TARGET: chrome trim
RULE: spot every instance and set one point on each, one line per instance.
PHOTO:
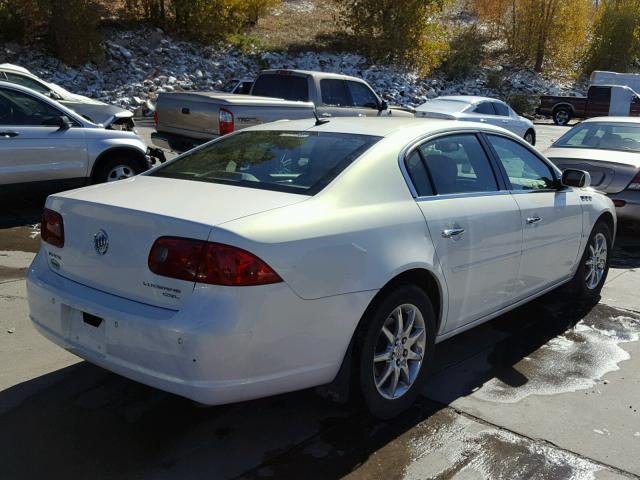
(534, 219)
(447, 196)
(452, 232)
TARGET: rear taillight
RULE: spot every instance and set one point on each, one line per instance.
(52, 228)
(635, 183)
(155, 118)
(208, 262)
(225, 122)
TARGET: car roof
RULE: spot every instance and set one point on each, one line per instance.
(612, 120)
(409, 127)
(470, 99)
(9, 67)
(311, 73)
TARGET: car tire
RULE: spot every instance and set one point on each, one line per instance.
(561, 116)
(117, 168)
(594, 264)
(400, 356)
(530, 137)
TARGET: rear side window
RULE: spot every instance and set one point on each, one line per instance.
(524, 169)
(295, 162)
(334, 93)
(484, 108)
(458, 164)
(600, 94)
(418, 174)
(289, 87)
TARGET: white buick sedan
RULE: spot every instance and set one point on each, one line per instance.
(303, 254)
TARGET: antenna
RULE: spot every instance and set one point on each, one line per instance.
(319, 121)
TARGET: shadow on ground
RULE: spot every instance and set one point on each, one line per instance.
(91, 423)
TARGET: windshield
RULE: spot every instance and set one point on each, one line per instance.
(296, 162)
(602, 136)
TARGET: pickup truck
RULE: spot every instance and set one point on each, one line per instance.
(183, 120)
(601, 100)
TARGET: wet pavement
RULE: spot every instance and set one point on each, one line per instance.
(548, 391)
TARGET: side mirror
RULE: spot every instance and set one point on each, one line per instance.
(383, 105)
(575, 178)
(62, 122)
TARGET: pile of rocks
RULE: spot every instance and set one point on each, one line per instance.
(141, 63)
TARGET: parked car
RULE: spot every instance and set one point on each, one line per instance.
(614, 100)
(478, 109)
(609, 149)
(109, 116)
(243, 87)
(184, 120)
(44, 141)
(296, 254)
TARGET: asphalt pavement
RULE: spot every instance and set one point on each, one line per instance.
(548, 391)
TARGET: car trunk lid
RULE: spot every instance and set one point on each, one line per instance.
(131, 215)
(610, 171)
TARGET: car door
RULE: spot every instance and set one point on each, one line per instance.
(336, 99)
(503, 117)
(598, 100)
(365, 102)
(474, 225)
(31, 151)
(483, 112)
(551, 216)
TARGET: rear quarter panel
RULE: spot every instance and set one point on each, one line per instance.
(355, 235)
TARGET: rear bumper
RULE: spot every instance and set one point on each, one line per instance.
(226, 345)
(175, 143)
(630, 211)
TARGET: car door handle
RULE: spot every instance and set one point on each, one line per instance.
(505, 121)
(325, 115)
(532, 220)
(9, 134)
(452, 232)
(483, 120)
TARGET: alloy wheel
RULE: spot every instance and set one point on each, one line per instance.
(399, 351)
(120, 172)
(596, 262)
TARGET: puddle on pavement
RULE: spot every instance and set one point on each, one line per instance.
(23, 239)
(445, 445)
(574, 360)
(462, 448)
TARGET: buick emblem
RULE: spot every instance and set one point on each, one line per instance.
(101, 242)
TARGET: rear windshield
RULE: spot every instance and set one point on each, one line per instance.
(602, 136)
(289, 87)
(295, 162)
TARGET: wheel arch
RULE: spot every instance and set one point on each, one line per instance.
(138, 156)
(607, 218)
(563, 105)
(339, 389)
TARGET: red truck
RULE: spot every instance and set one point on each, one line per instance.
(601, 101)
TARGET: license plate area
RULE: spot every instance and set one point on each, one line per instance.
(85, 329)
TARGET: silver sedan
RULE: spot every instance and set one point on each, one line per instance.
(479, 109)
(609, 149)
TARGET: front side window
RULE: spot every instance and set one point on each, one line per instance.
(335, 93)
(484, 108)
(602, 136)
(458, 164)
(17, 108)
(524, 169)
(501, 109)
(27, 82)
(362, 95)
(295, 162)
